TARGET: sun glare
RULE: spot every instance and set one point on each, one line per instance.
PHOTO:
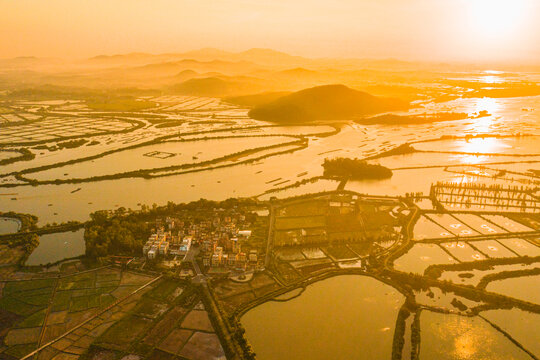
(496, 18)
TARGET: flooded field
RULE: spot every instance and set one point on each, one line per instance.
(450, 337)
(521, 247)
(203, 148)
(162, 155)
(479, 224)
(57, 246)
(473, 277)
(527, 145)
(506, 223)
(425, 228)
(522, 326)
(420, 256)
(462, 251)
(523, 288)
(346, 316)
(493, 249)
(453, 225)
(352, 140)
(9, 225)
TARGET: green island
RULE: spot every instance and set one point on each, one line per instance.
(355, 169)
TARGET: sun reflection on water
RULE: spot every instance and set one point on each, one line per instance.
(472, 159)
(483, 145)
(491, 79)
(491, 105)
(486, 110)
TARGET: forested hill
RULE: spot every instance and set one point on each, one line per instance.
(328, 102)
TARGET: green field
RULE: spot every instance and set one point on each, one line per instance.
(313, 207)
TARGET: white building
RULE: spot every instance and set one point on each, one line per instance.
(152, 253)
(164, 248)
(244, 233)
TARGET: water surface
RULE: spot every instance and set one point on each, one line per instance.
(455, 337)
(57, 246)
(345, 317)
(9, 225)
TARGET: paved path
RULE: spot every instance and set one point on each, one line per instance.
(51, 301)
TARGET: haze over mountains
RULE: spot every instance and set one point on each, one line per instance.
(251, 74)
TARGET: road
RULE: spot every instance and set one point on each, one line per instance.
(199, 277)
(270, 235)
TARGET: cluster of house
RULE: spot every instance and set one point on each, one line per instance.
(220, 258)
(218, 239)
(164, 243)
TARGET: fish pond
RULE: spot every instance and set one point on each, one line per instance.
(57, 246)
(344, 317)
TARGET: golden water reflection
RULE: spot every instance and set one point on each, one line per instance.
(483, 145)
(484, 124)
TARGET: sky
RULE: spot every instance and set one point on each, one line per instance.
(430, 30)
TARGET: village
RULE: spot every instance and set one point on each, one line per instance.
(219, 245)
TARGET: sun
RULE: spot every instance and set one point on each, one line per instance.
(496, 18)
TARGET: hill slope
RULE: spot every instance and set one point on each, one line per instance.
(328, 102)
(217, 87)
(256, 99)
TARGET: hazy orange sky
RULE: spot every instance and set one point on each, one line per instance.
(469, 30)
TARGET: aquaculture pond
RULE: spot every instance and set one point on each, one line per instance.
(493, 249)
(527, 145)
(507, 224)
(170, 153)
(345, 317)
(57, 246)
(521, 247)
(451, 337)
(420, 256)
(473, 277)
(452, 224)
(9, 225)
(463, 251)
(522, 326)
(479, 224)
(524, 288)
(427, 229)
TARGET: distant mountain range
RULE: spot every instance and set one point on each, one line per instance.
(219, 73)
(264, 57)
(329, 102)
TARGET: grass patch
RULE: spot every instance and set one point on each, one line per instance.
(94, 301)
(340, 252)
(309, 208)
(163, 291)
(106, 300)
(16, 306)
(38, 300)
(77, 284)
(300, 222)
(79, 303)
(20, 286)
(124, 331)
(150, 309)
(34, 320)
(108, 283)
(18, 351)
(61, 300)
